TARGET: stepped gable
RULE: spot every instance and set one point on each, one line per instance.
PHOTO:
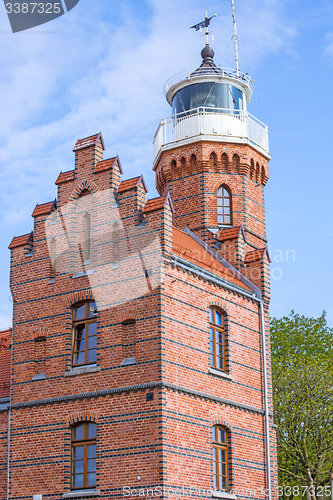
(158, 203)
(44, 208)
(131, 184)
(88, 141)
(108, 164)
(19, 241)
(65, 177)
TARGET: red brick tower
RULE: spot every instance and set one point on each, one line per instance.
(140, 343)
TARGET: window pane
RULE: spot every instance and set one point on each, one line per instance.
(92, 328)
(80, 337)
(79, 312)
(78, 467)
(226, 202)
(92, 434)
(212, 360)
(211, 316)
(92, 342)
(225, 193)
(78, 480)
(227, 219)
(92, 465)
(215, 481)
(220, 350)
(218, 318)
(92, 309)
(78, 433)
(92, 451)
(79, 358)
(78, 453)
(91, 479)
(227, 210)
(222, 436)
(220, 363)
(92, 356)
(211, 334)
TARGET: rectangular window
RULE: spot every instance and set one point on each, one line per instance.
(84, 334)
(217, 339)
(83, 462)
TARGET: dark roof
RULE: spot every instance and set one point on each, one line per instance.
(44, 208)
(207, 67)
(65, 177)
(89, 141)
(19, 241)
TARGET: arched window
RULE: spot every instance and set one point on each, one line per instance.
(235, 163)
(225, 162)
(252, 170)
(193, 162)
(83, 461)
(220, 458)
(84, 334)
(217, 338)
(263, 175)
(213, 160)
(257, 172)
(183, 165)
(174, 168)
(224, 209)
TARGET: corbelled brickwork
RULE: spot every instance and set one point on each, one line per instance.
(154, 269)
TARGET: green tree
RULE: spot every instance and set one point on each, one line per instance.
(302, 369)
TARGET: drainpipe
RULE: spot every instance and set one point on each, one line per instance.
(8, 452)
(264, 359)
(11, 355)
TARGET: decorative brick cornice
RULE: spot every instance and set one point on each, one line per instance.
(221, 420)
(76, 297)
(220, 304)
(82, 416)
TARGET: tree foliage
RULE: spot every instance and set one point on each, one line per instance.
(302, 369)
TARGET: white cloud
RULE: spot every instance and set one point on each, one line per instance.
(87, 74)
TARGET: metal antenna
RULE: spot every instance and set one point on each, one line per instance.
(235, 36)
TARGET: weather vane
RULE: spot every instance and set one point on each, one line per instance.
(205, 24)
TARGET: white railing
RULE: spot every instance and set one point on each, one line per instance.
(218, 124)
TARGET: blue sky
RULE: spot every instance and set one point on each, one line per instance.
(102, 67)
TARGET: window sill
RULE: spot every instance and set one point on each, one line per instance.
(84, 273)
(39, 376)
(223, 494)
(128, 362)
(81, 493)
(80, 370)
(219, 373)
